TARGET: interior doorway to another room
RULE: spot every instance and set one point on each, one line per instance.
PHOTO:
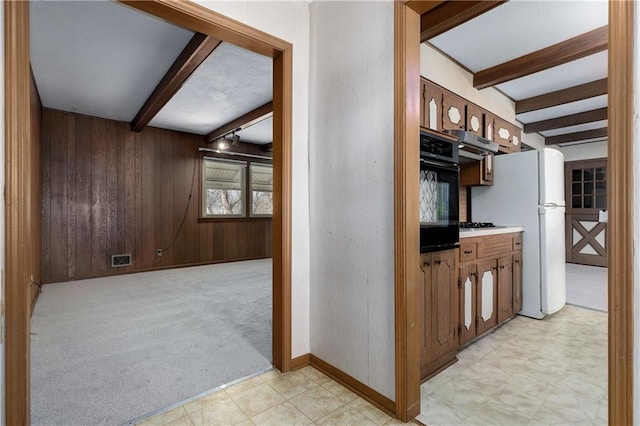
(188, 16)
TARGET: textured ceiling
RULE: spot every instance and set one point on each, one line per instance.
(519, 27)
(516, 28)
(260, 133)
(104, 59)
(99, 58)
(589, 68)
(566, 109)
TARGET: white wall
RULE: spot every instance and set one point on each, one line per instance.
(443, 71)
(584, 151)
(289, 21)
(351, 189)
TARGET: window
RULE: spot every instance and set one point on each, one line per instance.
(223, 188)
(589, 188)
(261, 189)
(235, 189)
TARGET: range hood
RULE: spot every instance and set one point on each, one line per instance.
(473, 146)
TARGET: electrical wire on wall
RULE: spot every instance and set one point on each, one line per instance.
(186, 209)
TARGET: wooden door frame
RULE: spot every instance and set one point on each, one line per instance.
(620, 206)
(17, 132)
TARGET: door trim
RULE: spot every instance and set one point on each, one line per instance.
(17, 131)
(620, 204)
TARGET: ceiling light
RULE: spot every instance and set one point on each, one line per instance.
(222, 144)
(235, 141)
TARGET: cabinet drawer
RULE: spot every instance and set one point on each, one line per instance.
(467, 251)
(494, 246)
(517, 243)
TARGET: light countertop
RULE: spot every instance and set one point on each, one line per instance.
(481, 232)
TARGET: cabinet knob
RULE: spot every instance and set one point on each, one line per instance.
(427, 263)
(517, 262)
(501, 266)
(438, 262)
(468, 251)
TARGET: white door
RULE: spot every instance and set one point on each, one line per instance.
(552, 255)
(551, 177)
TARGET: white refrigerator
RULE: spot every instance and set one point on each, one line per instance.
(528, 190)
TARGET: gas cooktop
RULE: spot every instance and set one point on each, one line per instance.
(474, 225)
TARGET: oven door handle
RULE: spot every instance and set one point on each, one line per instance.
(451, 167)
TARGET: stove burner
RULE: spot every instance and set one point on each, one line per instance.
(467, 225)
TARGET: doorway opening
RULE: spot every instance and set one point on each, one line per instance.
(18, 296)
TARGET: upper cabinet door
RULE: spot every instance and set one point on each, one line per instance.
(430, 105)
(475, 120)
(453, 112)
(507, 135)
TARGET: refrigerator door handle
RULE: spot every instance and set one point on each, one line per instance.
(551, 205)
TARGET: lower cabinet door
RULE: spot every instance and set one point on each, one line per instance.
(505, 288)
(517, 282)
(468, 312)
(444, 283)
(487, 286)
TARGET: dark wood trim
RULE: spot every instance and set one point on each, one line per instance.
(450, 14)
(17, 284)
(252, 117)
(406, 208)
(569, 50)
(620, 204)
(235, 219)
(577, 136)
(162, 268)
(267, 147)
(17, 280)
(359, 388)
(422, 6)
(282, 208)
(561, 97)
(195, 52)
(300, 362)
(567, 120)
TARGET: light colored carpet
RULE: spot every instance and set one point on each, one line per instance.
(587, 286)
(108, 350)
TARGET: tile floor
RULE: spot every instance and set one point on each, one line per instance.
(303, 397)
(528, 372)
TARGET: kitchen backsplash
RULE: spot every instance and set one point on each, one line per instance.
(463, 204)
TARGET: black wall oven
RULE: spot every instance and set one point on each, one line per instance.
(439, 180)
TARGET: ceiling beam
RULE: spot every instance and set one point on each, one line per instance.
(268, 147)
(423, 6)
(564, 96)
(450, 14)
(569, 50)
(566, 121)
(577, 136)
(195, 52)
(252, 117)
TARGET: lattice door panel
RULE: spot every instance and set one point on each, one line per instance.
(588, 241)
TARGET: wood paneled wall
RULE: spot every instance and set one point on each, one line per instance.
(35, 194)
(107, 190)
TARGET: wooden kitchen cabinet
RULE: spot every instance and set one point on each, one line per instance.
(439, 311)
(517, 281)
(477, 173)
(474, 119)
(505, 288)
(507, 135)
(430, 105)
(487, 315)
(453, 112)
(490, 283)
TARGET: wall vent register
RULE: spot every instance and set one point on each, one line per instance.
(119, 260)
